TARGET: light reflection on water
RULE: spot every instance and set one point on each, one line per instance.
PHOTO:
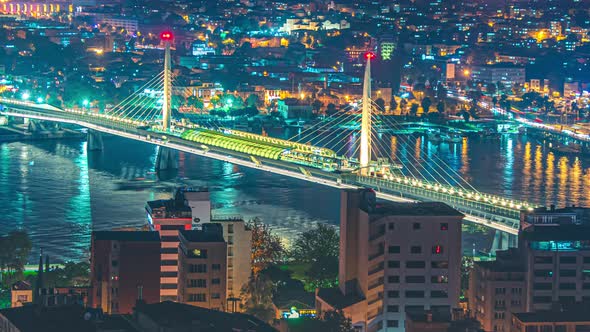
(59, 192)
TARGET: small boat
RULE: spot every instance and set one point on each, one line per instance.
(564, 149)
(434, 136)
(453, 137)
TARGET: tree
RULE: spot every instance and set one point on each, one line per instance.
(466, 266)
(14, 251)
(257, 298)
(317, 106)
(266, 249)
(331, 109)
(414, 109)
(252, 100)
(440, 107)
(335, 321)
(426, 102)
(403, 104)
(393, 105)
(380, 103)
(319, 247)
(491, 88)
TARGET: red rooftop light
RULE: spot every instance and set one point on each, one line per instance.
(369, 55)
(166, 36)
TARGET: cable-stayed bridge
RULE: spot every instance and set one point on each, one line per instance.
(146, 116)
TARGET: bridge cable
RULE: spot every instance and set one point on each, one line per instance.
(435, 163)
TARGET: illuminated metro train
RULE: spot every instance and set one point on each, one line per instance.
(267, 147)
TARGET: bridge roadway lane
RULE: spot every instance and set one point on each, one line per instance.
(388, 190)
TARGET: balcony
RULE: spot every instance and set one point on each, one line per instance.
(377, 283)
(376, 255)
(379, 268)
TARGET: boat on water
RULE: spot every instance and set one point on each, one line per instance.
(434, 136)
(569, 149)
(452, 137)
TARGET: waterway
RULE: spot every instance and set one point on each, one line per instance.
(59, 192)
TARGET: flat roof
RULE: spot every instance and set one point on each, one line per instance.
(201, 236)
(415, 209)
(135, 236)
(556, 233)
(336, 299)
(551, 316)
(176, 315)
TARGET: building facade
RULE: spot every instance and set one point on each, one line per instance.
(410, 262)
(550, 268)
(239, 261)
(202, 272)
(125, 267)
(168, 217)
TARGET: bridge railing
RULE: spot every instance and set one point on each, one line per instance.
(493, 212)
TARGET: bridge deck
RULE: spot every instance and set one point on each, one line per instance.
(481, 208)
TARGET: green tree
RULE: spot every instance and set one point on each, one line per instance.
(440, 107)
(14, 251)
(466, 267)
(380, 103)
(257, 298)
(491, 88)
(318, 247)
(331, 109)
(414, 109)
(253, 100)
(267, 248)
(393, 105)
(335, 321)
(317, 106)
(316, 243)
(426, 102)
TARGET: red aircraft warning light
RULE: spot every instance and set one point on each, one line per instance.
(369, 55)
(166, 36)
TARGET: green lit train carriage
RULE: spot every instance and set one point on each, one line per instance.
(266, 147)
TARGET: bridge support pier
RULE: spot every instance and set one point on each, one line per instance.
(34, 126)
(166, 160)
(95, 142)
(503, 241)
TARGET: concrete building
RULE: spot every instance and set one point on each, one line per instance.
(199, 202)
(177, 317)
(292, 108)
(576, 320)
(168, 217)
(129, 24)
(496, 289)
(506, 73)
(125, 267)
(555, 250)
(20, 294)
(410, 262)
(550, 267)
(202, 267)
(239, 261)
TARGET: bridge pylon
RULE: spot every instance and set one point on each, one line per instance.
(365, 149)
(167, 37)
(94, 141)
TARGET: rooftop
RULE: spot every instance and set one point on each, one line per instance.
(553, 316)
(32, 318)
(415, 209)
(177, 315)
(135, 236)
(336, 299)
(202, 236)
(556, 233)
